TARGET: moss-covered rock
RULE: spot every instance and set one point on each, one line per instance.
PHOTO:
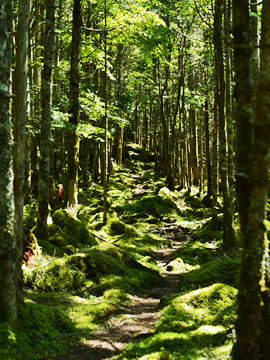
(67, 230)
(117, 227)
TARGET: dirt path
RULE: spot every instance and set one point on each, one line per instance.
(134, 321)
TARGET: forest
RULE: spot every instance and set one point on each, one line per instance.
(134, 179)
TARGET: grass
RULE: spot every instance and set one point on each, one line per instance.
(78, 282)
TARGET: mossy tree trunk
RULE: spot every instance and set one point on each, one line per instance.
(243, 108)
(72, 134)
(8, 271)
(45, 126)
(20, 119)
(253, 322)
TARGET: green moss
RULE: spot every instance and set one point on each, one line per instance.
(57, 275)
(67, 230)
(50, 249)
(193, 202)
(29, 216)
(153, 205)
(166, 195)
(42, 332)
(116, 296)
(200, 307)
(117, 227)
(206, 233)
(222, 271)
(196, 253)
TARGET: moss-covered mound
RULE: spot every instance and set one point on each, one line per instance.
(42, 332)
(206, 233)
(112, 268)
(55, 275)
(199, 307)
(217, 271)
(194, 326)
(196, 253)
(66, 230)
(154, 205)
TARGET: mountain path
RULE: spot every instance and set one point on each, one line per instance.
(137, 319)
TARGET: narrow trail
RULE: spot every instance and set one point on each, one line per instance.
(136, 320)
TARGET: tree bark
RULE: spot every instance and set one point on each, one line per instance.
(229, 239)
(252, 325)
(72, 135)
(45, 134)
(20, 118)
(8, 271)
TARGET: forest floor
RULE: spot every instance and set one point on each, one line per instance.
(151, 284)
(136, 320)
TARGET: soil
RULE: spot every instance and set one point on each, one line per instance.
(136, 320)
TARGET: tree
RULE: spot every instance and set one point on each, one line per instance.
(20, 119)
(8, 269)
(252, 326)
(72, 135)
(45, 135)
(229, 239)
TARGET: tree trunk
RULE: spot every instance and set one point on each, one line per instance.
(229, 239)
(20, 118)
(72, 135)
(45, 134)
(243, 109)
(214, 168)
(8, 276)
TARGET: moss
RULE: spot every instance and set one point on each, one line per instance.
(29, 216)
(58, 275)
(50, 249)
(206, 233)
(166, 195)
(196, 253)
(200, 307)
(153, 205)
(42, 332)
(67, 230)
(222, 271)
(117, 227)
(115, 295)
(193, 202)
(179, 266)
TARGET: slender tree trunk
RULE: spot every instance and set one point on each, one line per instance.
(20, 118)
(243, 109)
(229, 239)
(106, 125)
(229, 118)
(73, 136)
(8, 271)
(214, 168)
(45, 134)
(207, 149)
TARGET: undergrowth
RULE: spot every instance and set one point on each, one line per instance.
(86, 271)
